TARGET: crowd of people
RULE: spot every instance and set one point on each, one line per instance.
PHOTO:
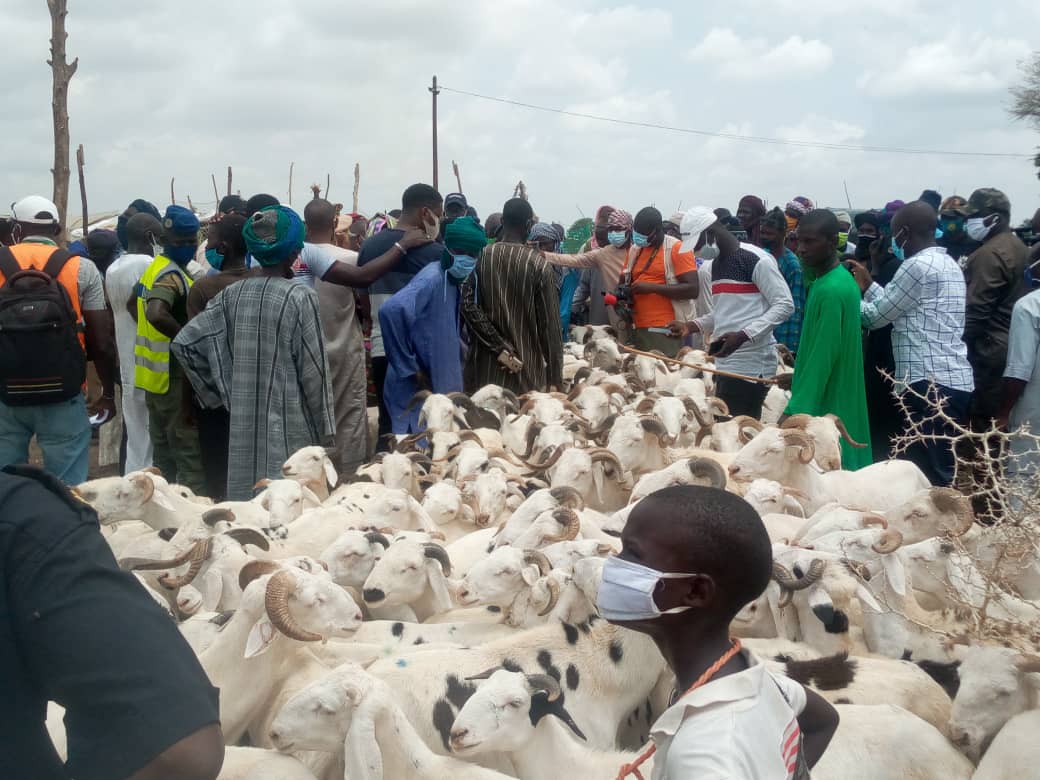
(236, 342)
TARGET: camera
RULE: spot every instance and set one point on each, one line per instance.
(623, 293)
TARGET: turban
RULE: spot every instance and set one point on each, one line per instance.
(180, 221)
(893, 206)
(619, 220)
(603, 212)
(465, 235)
(273, 235)
(843, 216)
(800, 205)
(676, 218)
(543, 231)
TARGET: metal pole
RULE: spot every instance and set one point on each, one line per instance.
(435, 92)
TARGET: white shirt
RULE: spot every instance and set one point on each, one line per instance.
(123, 275)
(738, 726)
(749, 294)
(924, 303)
(315, 260)
(1023, 362)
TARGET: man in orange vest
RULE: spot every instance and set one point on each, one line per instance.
(50, 404)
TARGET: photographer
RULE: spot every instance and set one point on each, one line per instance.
(657, 286)
(751, 299)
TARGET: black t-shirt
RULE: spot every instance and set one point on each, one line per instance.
(76, 630)
(397, 279)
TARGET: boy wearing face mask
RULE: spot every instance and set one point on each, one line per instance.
(691, 558)
(996, 278)
(420, 327)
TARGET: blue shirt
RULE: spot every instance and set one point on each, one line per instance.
(420, 326)
(789, 333)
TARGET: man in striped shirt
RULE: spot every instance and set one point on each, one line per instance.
(511, 307)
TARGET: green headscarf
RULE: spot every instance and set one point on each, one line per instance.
(273, 235)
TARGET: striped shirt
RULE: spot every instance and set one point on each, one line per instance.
(789, 332)
(749, 294)
(510, 302)
(257, 350)
(924, 303)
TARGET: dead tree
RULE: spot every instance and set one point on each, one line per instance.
(62, 72)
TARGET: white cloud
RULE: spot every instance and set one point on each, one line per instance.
(956, 65)
(755, 58)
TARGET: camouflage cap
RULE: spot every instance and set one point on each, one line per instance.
(986, 199)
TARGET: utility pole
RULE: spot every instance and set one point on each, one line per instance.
(435, 92)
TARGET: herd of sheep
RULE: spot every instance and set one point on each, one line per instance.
(434, 617)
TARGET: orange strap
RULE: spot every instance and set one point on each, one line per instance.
(711, 671)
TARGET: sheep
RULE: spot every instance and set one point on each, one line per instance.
(496, 399)
(605, 487)
(352, 710)
(827, 433)
(996, 683)
(518, 581)
(249, 763)
(351, 556)
(510, 713)
(451, 514)
(608, 671)
(412, 573)
(596, 403)
(280, 608)
(729, 435)
(935, 511)
(312, 467)
(690, 471)
(767, 496)
(489, 494)
(879, 487)
(135, 497)
(539, 501)
(639, 443)
(403, 472)
(835, 519)
(1013, 753)
(563, 555)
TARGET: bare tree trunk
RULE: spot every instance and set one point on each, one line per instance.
(229, 180)
(62, 72)
(80, 162)
(291, 166)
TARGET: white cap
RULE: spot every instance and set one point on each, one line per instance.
(694, 222)
(28, 210)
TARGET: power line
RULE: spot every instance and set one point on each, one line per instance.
(738, 137)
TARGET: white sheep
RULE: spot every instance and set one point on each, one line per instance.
(412, 573)
(1014, 753)
(312, 467)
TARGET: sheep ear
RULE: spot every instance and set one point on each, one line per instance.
(265, 502)
(530, 575)
(330, 472)
(866, 598)
(212, 586)
(261, 635)
(160, 498)
(894, 572)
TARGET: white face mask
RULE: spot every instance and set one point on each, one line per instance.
(627, 591)
(977, 229)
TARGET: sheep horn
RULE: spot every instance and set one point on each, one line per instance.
(146, 484)
(276, 601)
(693, 408)
(840, 425)
(153, 470)
(554, 596)
(644, 406)
(374, 537)
(261, 483)
(797, 422)
(549, 462)
(213, 516)
(571, 524)
(702, 434)
(249, 536)
(409, 441)
(253, 570)
(439, 554)
(746, 421)
(603, 455)
(567, 496)
(655, 427)
(889, 542)
(1028, 663)
(538, 559)
(570, 407)
(149, 564)
(787, 580)
(532, 435)
(510, 396)
(484, 674)
(720, 407)
(468, 435)
(807, 448)
(795, 492)
(543, 683)
(706, 468)
(199, 554)
(421, 396)
(950, 500)
(878, 520)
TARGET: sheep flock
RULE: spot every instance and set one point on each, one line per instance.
(434, 615)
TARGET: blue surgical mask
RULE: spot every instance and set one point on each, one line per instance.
(640, 240)
(181, 255)
(897, 250)
(461, 267)
(627, 591)
(215, 258)
(938, 233)
(617, 237)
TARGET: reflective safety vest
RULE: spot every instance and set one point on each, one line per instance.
(152, 347)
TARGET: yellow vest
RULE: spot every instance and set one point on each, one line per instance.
(152, 347)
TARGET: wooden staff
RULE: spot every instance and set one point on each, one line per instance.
(173, 198)
(80, 162)
(759, 379)
(216, 192)
(291, 166)
(357, 184)
(229, 180)
(458, 179)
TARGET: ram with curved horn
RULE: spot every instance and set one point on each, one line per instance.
(890, 541)
(603, 455)
(957, 504)
(789, 583)
(439, 554)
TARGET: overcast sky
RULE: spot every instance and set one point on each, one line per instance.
(185, 89)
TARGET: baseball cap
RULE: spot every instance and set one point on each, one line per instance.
(34, 210)
(456, 199)
(694, 222)
(986, 199)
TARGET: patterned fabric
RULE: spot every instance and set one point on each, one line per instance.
(258, 350)
(619, 220)
(273, 234)
(511, 302)
(800, 205)
(924, 303)
(789, 332)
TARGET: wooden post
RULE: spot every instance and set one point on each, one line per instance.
(216, 193)
(229, 180)
(328, 181)
(435, 92)
(61, 74)
(291, 165)
(458, 179)
(80, 162)
(173, 198)
(357, 184)
(191, 206)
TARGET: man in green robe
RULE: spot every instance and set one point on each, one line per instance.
(828, 372)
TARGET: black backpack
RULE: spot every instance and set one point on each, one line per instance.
(41, 358)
